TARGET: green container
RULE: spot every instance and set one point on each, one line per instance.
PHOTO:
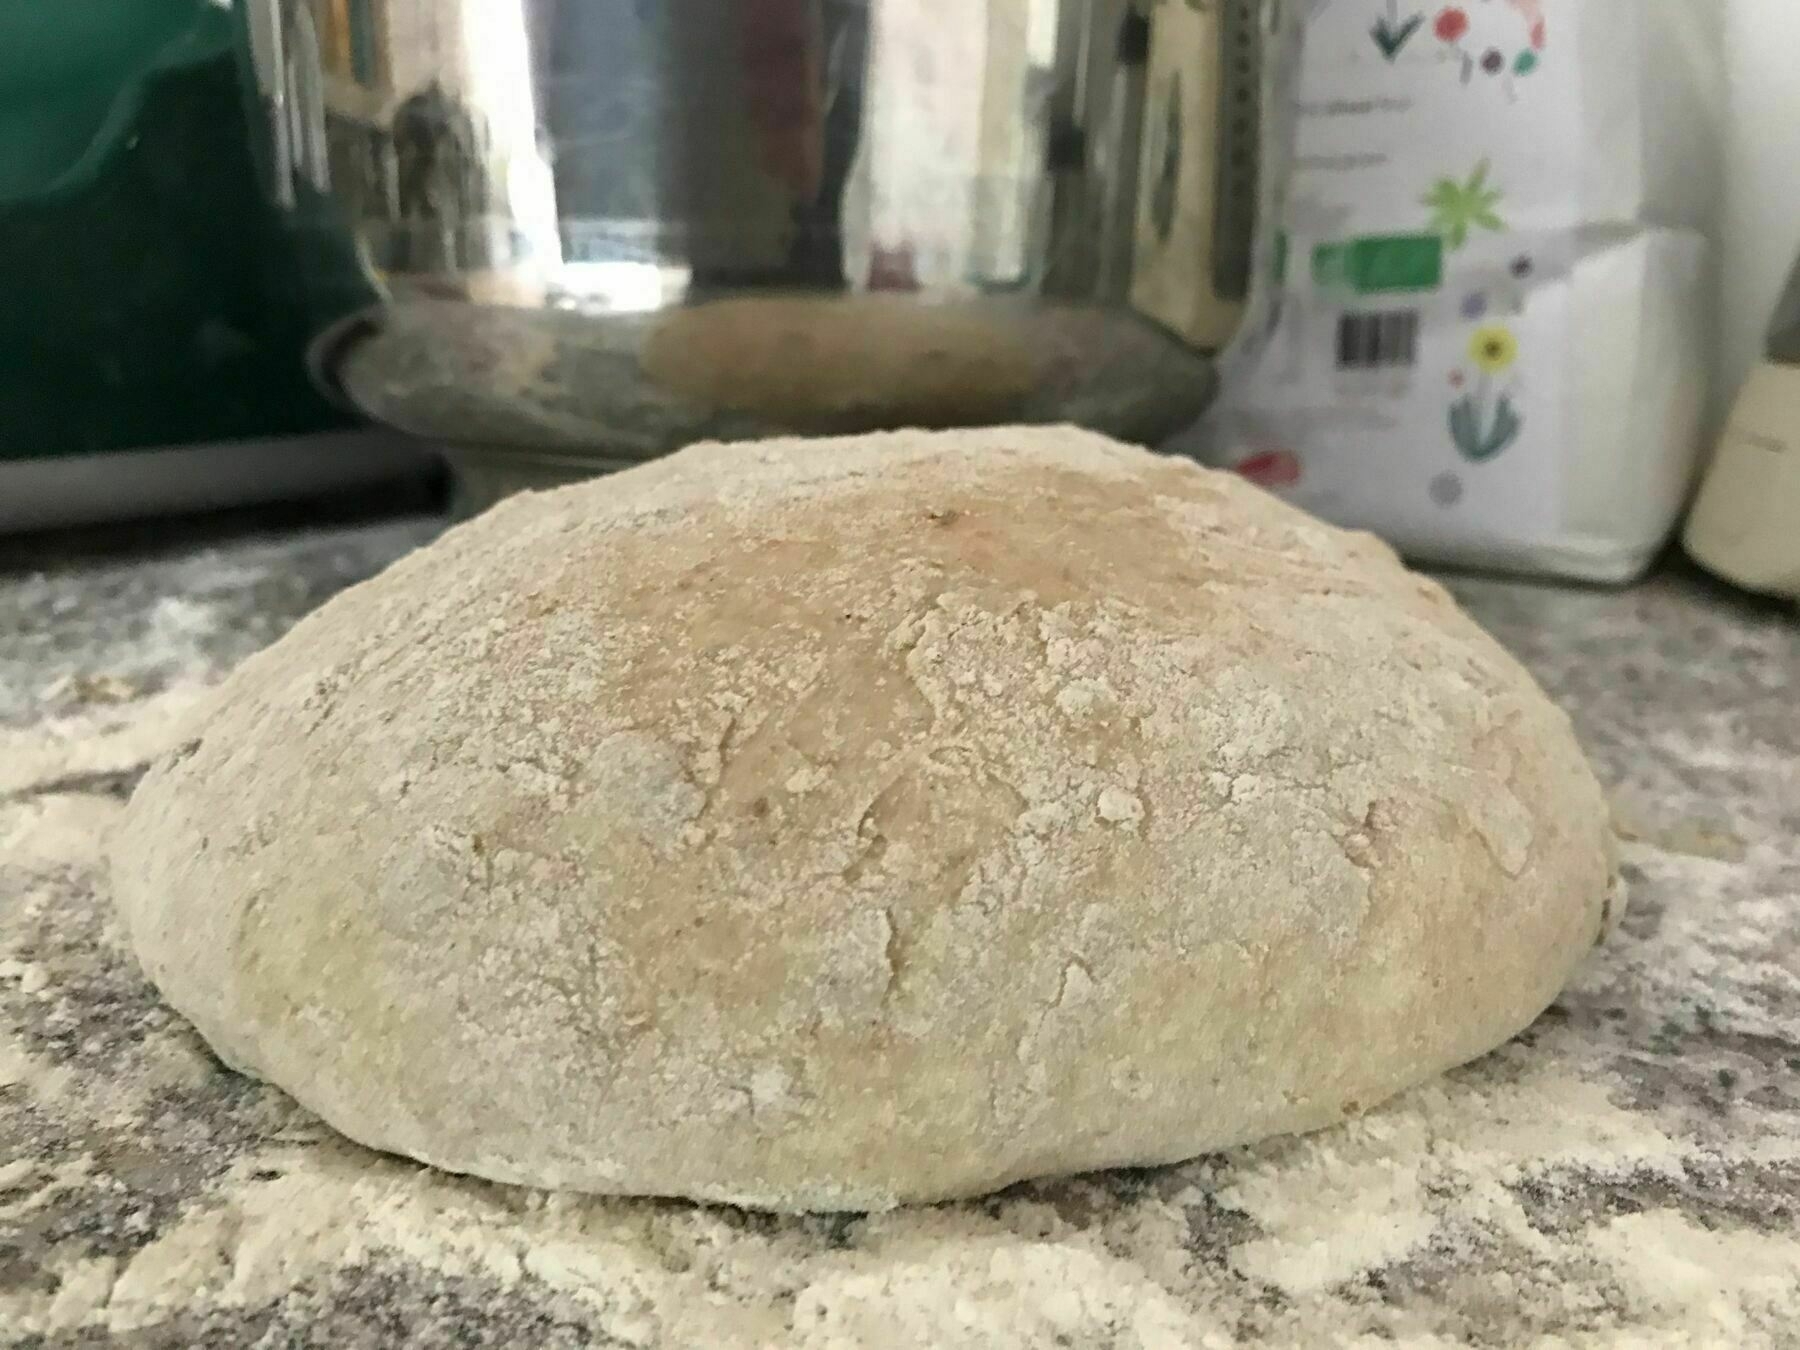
(153, 295)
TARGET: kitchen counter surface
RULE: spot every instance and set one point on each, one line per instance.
(1626, 1172)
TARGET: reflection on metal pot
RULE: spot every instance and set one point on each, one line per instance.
(604, 228)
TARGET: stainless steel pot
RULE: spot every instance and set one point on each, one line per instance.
(603, 229)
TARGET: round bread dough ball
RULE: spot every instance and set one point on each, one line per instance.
(831, 825)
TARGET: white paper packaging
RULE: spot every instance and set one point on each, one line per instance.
(1492, 337)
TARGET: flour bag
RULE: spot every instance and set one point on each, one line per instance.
(1495, 274)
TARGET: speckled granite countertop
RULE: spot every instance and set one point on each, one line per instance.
(1627, 1172)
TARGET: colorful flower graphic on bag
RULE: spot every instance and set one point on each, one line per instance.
(1494, 350)
(1486, 421)
(1495, 40)
(1391, 33)
(1459, 207)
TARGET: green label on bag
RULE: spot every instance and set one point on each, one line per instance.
(1381, 264)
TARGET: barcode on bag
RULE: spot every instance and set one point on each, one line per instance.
(1378, 341)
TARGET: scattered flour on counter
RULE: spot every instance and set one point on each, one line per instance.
(1699, 1278)
(153, 619)
(53, 830)
(96, 742)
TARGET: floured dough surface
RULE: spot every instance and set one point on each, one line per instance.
(828, 825)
